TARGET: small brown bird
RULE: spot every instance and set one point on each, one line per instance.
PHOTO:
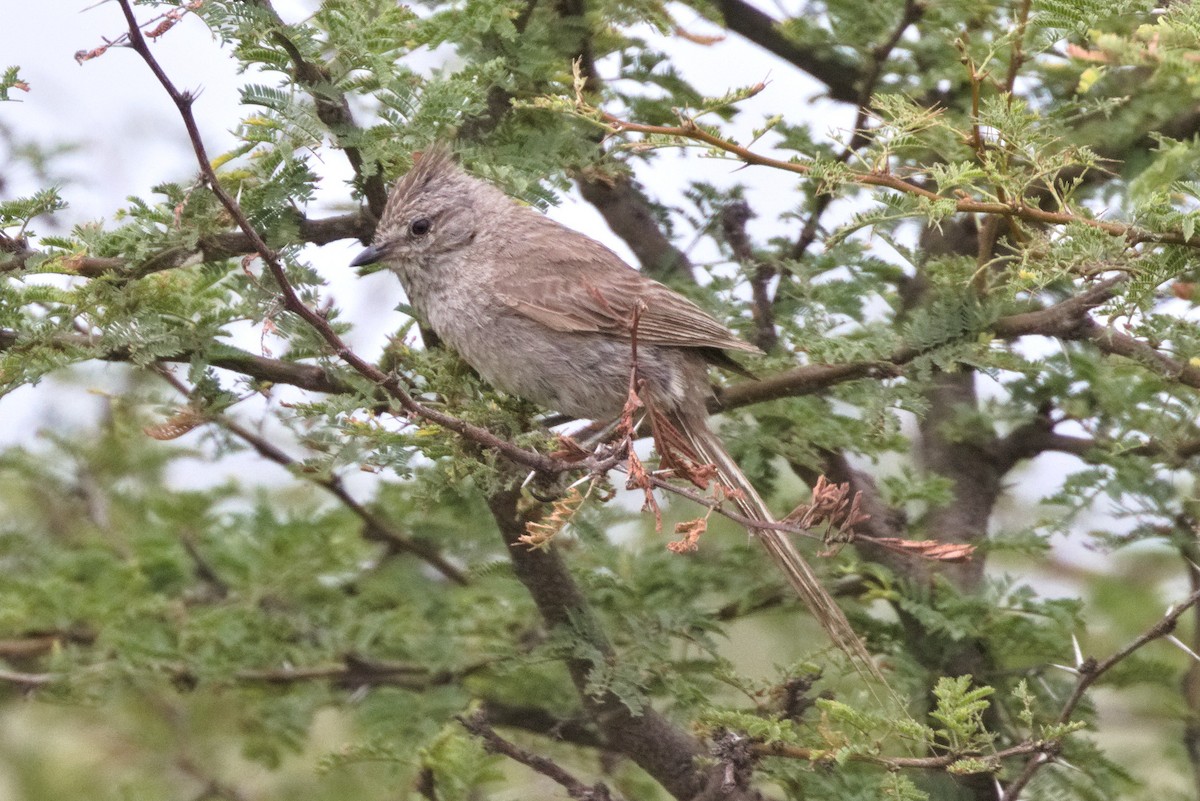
(546, 313)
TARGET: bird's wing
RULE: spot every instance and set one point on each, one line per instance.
(589, 295)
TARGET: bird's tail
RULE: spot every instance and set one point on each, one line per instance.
(799, 573)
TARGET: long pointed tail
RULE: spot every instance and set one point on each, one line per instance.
(799, 573)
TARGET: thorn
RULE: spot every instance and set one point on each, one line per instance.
(1078, 651)
(999, 787)
(1064, 763)
(575, 484)
(1070, 670)
(528, 478)
(1182, 646)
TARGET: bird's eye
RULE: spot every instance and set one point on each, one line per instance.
(420, 226)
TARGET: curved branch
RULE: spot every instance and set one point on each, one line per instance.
(375, 527)
(663, 750)
(332, 109)
(1090, 671)
(1017, 209)
(841, 75)
(260, 368)
(1067, 319)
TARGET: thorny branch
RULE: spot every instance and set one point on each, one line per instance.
(332, 109)
(913, 11)
(940, 762)
(1089, 672)
(375, 527)
(688, 129)
(477, 724)
(215, 247)
(1041, 752)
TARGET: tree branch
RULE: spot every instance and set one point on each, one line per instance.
(1017, 208)
(375, 527)
(662, 750)
(627, 211)
(840, 74)
(939, 762)
(733, 219)
(332, 109)
(1066, 320)
(477, 724)
(215, 247)
(261, 368)
(1090, 671)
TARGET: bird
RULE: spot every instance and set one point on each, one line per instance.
(548, 314)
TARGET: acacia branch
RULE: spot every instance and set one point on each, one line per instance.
(354, 672)
(733, 219)
(940, 762)
(663, 750)
(210, 248)
(688, 129)
(260, 368)
(477, 724)
(28, 681)
(616, 194)
(573, 730)
(332, 109)
(840, 74)
(1116, 343)
(375, 527)
(1090, 671)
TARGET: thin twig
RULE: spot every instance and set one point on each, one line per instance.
(689, 129)
(28, 680)
(1017, 59)
(376, 528)
(477, 725)
(913, 11)
(1090, 671)
(940, 762)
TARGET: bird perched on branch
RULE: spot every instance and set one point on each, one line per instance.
(553, 316)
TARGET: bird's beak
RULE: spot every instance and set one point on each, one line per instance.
(370, 255)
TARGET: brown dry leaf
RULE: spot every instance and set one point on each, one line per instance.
(176, 426)
(1083, 54)
(698, 38)
(831, 503)
(640, 479)
(87, 55)
(690, 531)
(538, 534)
(569, 450)
(928, 549)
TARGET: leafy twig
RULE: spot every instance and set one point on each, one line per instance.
(1090, 671)
(376, 528)
(690, 130)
